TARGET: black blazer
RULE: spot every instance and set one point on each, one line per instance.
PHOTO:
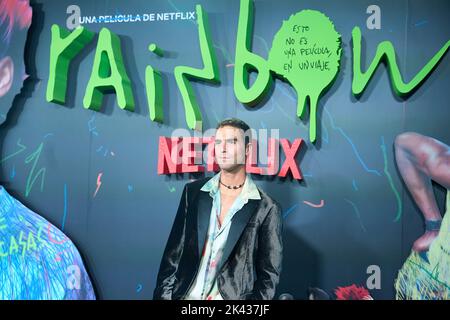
(251, 262)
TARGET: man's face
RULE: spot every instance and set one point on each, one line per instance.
(230, 148)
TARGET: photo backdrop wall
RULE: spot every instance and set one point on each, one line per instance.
(93, 174)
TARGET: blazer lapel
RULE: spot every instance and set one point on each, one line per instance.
(238, 223)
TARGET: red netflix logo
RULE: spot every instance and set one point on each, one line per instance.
(186, 154)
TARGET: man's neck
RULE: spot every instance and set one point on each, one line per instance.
(233, 178)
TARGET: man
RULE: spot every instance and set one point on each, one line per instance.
(426, 272)
(37, 261)
(226, 240)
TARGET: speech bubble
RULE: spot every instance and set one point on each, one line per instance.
(306, 52)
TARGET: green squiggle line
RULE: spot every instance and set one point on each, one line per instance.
(355, 208)
(385, 50)
(22, 148)
(209, 73)
(388, 175)
(32, 178)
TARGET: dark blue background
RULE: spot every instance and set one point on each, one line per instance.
(121, 232)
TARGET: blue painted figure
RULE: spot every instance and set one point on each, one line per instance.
(37, 261)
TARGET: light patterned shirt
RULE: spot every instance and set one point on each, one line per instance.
(205, 285)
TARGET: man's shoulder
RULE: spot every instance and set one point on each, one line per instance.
(268, 201)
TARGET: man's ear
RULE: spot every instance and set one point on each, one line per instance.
(6, 75)
(248, 149)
